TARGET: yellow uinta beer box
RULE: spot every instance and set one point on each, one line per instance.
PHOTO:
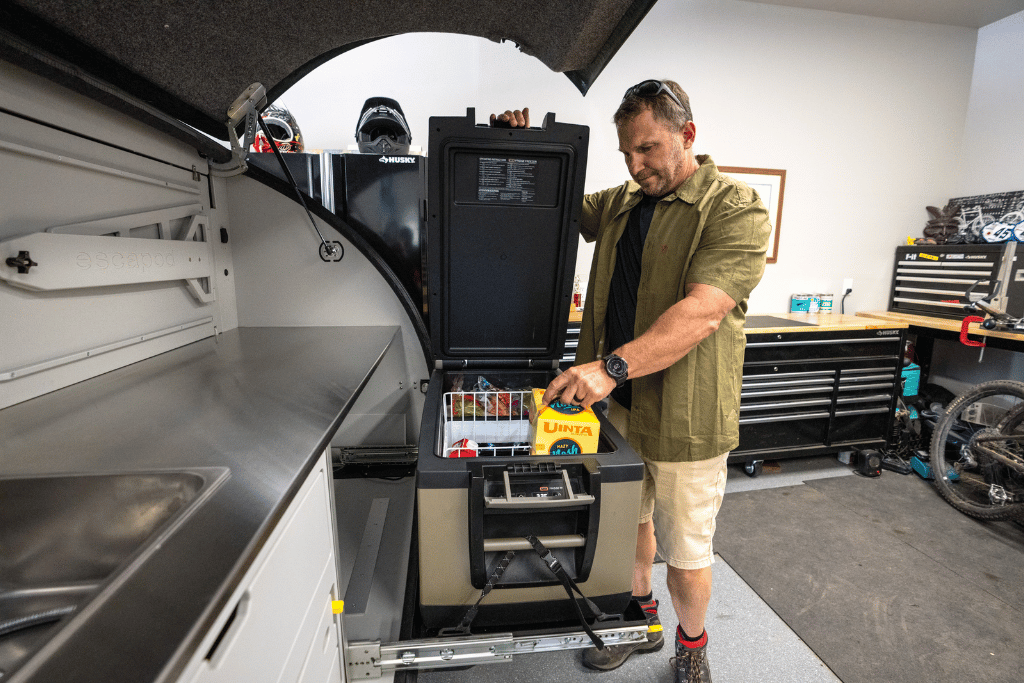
(562, 428)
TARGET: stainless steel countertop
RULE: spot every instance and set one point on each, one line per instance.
(263, 402)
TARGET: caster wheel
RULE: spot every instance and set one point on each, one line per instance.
(754, 469)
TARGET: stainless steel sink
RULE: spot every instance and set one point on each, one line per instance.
(64, 539)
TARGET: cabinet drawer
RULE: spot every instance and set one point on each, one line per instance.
(322, 657)
(819, 402)
(801, 429)
(319, 629)
(769, 350)
(273, 603)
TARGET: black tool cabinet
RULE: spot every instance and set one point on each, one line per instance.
(817, 392)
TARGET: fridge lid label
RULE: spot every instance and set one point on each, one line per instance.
(507, 180)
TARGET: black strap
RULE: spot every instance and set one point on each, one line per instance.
(569, 585)
(463, 628)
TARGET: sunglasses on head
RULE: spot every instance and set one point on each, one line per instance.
(652, 88)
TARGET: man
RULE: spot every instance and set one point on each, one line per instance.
(678, 252)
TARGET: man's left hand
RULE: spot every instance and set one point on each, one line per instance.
(582, 385)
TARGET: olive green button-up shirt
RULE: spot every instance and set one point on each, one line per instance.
(712, 230)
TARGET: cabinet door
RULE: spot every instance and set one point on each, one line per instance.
(274, 625)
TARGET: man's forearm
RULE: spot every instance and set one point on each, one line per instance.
(676, 332)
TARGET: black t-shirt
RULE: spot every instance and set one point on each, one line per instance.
(622, 293)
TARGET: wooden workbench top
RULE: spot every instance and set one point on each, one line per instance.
(950, 325)
(818, 322)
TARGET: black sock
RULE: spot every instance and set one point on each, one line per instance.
(644, 598)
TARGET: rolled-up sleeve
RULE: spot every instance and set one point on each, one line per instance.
(590, 220)
(733, 244)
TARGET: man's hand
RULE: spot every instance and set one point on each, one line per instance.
(512, 119)
(582, 385)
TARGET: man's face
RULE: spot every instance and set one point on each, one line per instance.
(657, 157)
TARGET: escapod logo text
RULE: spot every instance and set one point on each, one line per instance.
(397, 160)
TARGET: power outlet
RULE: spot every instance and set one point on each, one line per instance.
(847, 285)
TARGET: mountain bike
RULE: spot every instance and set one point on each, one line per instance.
(977, 448)
(977, 451)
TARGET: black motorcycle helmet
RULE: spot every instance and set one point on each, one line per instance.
(382, 128)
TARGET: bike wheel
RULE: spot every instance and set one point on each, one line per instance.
(977, 451)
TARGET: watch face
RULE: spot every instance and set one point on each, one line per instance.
(617, 367)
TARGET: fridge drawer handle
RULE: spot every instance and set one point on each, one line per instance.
(507, 502)
(493, 545)
(537, 503)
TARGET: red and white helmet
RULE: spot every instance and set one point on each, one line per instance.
(282, 127)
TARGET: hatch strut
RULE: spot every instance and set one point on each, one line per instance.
(246, 108)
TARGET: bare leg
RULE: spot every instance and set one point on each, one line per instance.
(646, 548)
(690, 590)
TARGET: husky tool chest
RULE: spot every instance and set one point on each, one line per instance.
(502, 233)
(934, 280)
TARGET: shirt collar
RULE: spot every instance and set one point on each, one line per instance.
(690, 191)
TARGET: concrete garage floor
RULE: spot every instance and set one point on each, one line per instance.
(747, 640)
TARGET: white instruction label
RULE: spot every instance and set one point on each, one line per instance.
(507, 180)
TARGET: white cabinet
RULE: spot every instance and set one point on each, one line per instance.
(279, 625)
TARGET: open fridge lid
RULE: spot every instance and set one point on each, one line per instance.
(502, 234)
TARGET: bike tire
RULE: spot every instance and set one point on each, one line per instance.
(968, 491)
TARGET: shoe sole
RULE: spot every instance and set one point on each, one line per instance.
(641, 649)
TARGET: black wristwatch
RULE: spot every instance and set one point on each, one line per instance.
(617, 368)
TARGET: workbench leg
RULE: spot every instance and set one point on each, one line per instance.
(923, 348)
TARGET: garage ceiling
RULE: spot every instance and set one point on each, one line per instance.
(968, 13)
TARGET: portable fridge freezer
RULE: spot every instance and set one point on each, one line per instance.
(502, 232)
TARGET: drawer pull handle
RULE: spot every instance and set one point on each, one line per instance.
(229, 631)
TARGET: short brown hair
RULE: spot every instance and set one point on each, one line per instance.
(661, 106)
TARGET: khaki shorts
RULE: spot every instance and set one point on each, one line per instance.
(682, 499)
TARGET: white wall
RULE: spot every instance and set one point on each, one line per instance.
(992, 161)
(993, 157)
(866, 115)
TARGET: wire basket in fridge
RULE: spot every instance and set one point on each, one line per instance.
(486, 423)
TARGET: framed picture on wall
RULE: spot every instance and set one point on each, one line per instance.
(770, 184)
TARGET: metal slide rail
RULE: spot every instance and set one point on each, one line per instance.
(369, 660)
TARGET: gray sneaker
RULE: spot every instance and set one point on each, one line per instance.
(691, 664)
(614, 656)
